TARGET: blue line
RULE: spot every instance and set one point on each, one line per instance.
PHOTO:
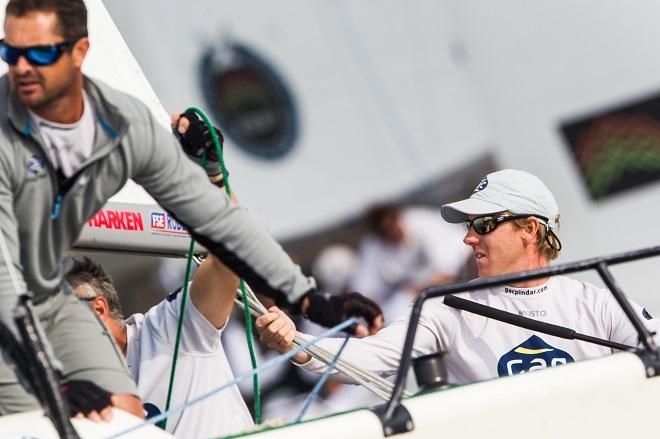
(319, 385)
(113, 133)
(268, 364)
(57, 208)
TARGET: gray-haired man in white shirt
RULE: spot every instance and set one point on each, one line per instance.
(147, 340)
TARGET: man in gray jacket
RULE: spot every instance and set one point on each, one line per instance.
(67, 144)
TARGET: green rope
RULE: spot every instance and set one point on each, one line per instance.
(248, 320)
(163, 424)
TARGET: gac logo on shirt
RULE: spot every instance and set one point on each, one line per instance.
(533, 354)
(646, 314)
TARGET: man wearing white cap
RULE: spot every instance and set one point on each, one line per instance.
(504, 196)
(511, 220)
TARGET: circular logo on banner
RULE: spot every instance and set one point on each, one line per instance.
(249, 100)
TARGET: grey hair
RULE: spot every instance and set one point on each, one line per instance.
(89, 280)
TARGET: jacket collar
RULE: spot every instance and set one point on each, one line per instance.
(109, 116)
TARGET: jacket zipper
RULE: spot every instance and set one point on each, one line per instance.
(68, 184)
(63, 189)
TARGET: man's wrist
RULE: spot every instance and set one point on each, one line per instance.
(217, 180)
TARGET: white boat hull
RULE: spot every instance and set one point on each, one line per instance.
(603, 398)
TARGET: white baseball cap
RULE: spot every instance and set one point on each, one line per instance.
(519, 192)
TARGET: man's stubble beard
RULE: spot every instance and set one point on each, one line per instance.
(48, 96)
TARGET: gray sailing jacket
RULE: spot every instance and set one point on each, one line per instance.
(42, 215)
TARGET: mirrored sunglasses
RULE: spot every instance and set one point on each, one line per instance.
(40, 55)
(488, 223)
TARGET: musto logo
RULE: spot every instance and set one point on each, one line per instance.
(162, 222)
(531, 355)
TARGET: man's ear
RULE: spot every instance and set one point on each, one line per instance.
(79, 51)
(100, 307)
(530, 230)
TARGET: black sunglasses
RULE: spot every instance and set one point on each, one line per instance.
(39, 55)
(488, 223)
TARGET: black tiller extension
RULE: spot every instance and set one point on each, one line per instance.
(534, 325)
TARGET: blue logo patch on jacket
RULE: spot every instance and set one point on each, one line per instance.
(533, 354)
(35, 165)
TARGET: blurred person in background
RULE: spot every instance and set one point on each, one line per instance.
(334, 267)
(406, 250)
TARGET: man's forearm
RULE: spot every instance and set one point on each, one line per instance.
(212, 291)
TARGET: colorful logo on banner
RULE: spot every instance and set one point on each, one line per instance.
(533, 354)
(617, 149)
(163, 222)
(250, 100)
(117, 220)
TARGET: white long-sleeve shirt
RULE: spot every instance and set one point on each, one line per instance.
(479, 348)
(202, 365)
